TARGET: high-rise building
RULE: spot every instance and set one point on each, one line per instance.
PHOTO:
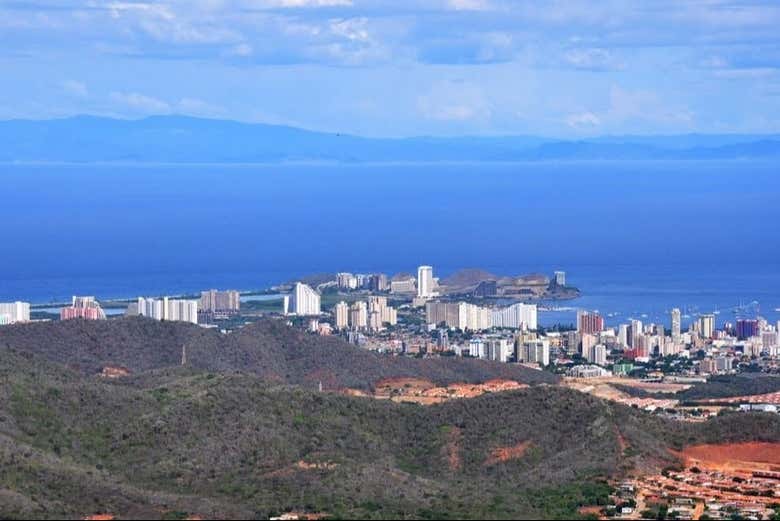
(346, 281)
(560, 278)
(471, 317)
(151, 308)
(588, 341)
(15, 312)
(390, 316)
(706, 326)
(425, 282)
(375, 321)
(83, 307)
(220, 302)
(376, 303)
(623, 334)
(598, 354)
(358, 315)
(516, 316)
(635, 331)
(676, 324)
(179, 310)
(304, 301)
(341, 312)
(747, 328)
(535, 352)
(498, 349)
(589, 323)
(174, 310)
(573, 340)
(378, 282)
(460, 315)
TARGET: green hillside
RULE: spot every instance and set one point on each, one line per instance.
(176, 441)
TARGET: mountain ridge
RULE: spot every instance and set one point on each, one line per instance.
(188, 139)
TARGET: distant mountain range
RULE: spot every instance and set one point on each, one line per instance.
(181, 139)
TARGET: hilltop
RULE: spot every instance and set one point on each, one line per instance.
(268, 348)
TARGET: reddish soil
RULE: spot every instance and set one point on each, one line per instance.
(502, 454)
(114, 372)
(734, 456)
(303, 465)
(622, 443)
(100, 517)
(594, 510)
(773, 398)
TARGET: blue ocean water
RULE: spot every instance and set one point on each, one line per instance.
(637, 237)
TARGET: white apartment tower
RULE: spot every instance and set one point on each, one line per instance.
(341, 312)
(358, 315)
(304, 301)
(706, 326)
(676, 316)
(425, 282)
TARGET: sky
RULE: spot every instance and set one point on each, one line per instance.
(566, 68)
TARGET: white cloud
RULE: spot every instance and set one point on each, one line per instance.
(140, 103)
(469, 5)
(198, 107)
(353, 29)
(583, 120)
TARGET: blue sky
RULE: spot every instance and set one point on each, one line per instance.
(396, 68)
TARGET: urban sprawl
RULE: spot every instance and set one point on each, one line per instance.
(419, 316)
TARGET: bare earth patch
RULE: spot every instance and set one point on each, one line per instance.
(426, 392)
(503, 454)
(750, 456)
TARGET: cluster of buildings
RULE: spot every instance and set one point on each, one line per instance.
(522, 348)
(174, 310)
(738, 492)
(372, 282)
(213, 304)
(424, 286)
(371, 315)
(641, 342)
(86, 308)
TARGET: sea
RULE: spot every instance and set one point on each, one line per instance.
(637, 238)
